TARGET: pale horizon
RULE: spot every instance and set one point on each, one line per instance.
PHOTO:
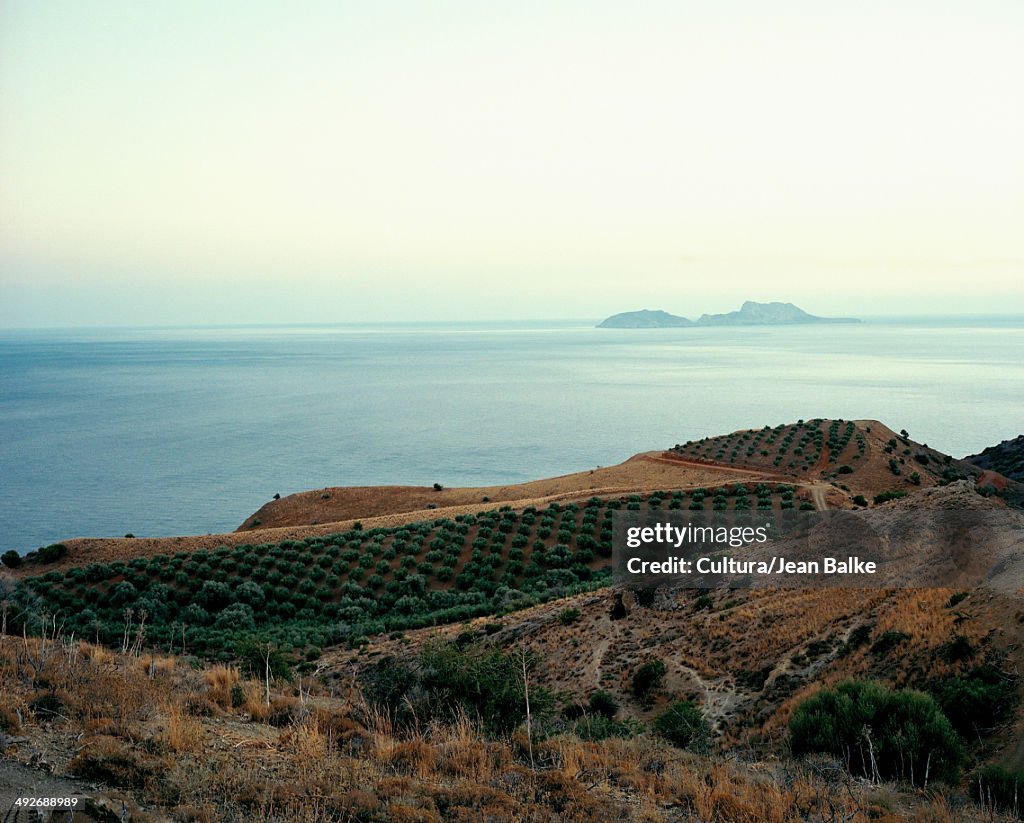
(258, 163)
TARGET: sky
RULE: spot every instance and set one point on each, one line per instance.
(260, 162)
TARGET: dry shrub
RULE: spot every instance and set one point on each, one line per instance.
(219, 681)
(196, 814)
(413, 757)
(111, 761)
(183, 733)
(112, 691)
(342, 729)
(251, 793)
(455, 801)
(200, 705)
(474, 761)
(285, 711)
(100, 725)
(938, 811)
(406, 813)
(462, 752)
(9, 720)
(649, 814)
(308, 740)
(97, 655)
(745, 801)
(627, 763)
(355, 804)
(157, 665)
(562, 753)
(255, 703)
(286, 795)
(49, 705)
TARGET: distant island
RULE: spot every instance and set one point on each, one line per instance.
(644, 319)
(749, 314)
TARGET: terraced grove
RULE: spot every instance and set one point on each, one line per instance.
(344, 587)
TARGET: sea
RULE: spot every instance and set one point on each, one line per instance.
(167, 431)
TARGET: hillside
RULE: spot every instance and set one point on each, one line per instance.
(400, 609)
(859, 456)
(647, 471)
(865, 456)
(151, 737)
(1007, 458)
(747, 657)
(812, 464)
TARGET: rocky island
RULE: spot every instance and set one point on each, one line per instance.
(644, 319)
(750, 314)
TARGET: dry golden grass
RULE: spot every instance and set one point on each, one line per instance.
(255, 704)
(220, 681)
(133, 723)
(183, 733)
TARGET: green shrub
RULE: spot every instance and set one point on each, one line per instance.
(888, 641)
(647, 678)
(753, 679)
(957, 649)
(683, 725)
(977, 701)
(214, 595)
(858, 637)
(894, 494)
(599, 727)
(603, 704)
(904, 733)
(999, 789)
(486, 684)
(568, 616)
(51, 553)
(11, 559)
(255, 656)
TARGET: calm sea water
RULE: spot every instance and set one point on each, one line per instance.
(188, 431)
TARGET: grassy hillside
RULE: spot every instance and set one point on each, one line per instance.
(153, 738)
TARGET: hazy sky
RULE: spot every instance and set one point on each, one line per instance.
(198, 162)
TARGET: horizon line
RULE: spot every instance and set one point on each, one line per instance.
(481, 322)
